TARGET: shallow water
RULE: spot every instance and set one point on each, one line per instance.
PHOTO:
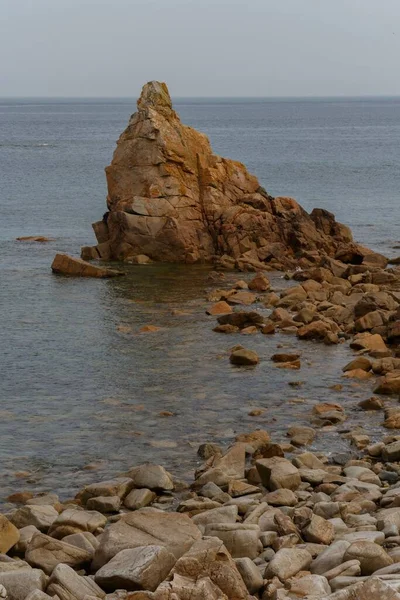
(74, 390)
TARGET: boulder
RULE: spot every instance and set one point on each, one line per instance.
(153, 477)
(259, 283)
(9, 534)
(389, 385)
(41, 517)
(139, 498)
(371, 556)
(287, 562)
(147, 527)
(76, 520)
(205, 572)
(65, 583)
(120, 486)
(277, 472)
(45, 553)
(172, 199)
(76, 267)
(141, 568)
(240, 539)
(319, 531)
(21, 582)
(243, 357)
(104, 504)
(250, 574)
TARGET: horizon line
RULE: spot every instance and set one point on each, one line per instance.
(203, 97)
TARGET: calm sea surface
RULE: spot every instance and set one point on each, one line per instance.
(74, 390)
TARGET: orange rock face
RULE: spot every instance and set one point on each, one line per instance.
(172, 199)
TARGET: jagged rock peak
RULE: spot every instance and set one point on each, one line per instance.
(155, 95)
(172, 199)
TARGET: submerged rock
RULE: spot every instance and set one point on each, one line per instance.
(171, 199)
(69, 265)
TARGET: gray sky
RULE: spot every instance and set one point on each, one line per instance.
(200, 48)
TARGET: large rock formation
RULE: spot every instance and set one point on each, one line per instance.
(172, 199)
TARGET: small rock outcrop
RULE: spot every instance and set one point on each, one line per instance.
(171, 199)
(76, 267)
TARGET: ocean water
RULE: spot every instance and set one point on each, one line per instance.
(81, 390)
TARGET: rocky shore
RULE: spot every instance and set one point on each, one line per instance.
(260, 520)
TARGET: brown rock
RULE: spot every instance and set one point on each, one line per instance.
(243, 357)
(9, 534)
(219, 308)
(285, 358)
(389, 385)
(260, 283)
(34, 238)
(171, 198)
(76, 267)
(372, 403)
(316, 330)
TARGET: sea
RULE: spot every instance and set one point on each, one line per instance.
(83, 394)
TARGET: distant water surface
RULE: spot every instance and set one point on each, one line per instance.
(74, 390)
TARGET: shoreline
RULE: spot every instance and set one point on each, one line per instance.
(261, 519)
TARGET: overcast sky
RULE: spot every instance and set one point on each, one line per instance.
(200, 47)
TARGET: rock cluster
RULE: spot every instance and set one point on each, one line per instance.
(331, 303)
(171, 199)
(254, 524)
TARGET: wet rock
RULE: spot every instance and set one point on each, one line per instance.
(76, 267)
(361, 362)
(34, 238)
(219, 308)
(243, 357)
(389, 385)
(242, 297)
(141, 568)
(372, 403)
(316, 330)
(368, 341)
(301, 435)
(259, 283)
(285, 357)
(226, 329)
